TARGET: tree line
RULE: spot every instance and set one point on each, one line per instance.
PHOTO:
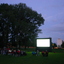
(19, 24)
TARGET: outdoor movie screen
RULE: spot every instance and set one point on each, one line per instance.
(43, 42)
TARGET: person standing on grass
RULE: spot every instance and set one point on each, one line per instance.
(37, 53)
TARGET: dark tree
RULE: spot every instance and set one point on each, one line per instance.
(19, 24)
(54, 45)
(62, 45)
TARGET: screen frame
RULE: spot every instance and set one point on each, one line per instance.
(44, 48)
(47, 40)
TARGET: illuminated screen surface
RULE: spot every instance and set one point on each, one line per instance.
(43, 42)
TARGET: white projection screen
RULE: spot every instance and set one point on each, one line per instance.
(43, 42)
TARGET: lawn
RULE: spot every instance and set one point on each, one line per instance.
(53, 58)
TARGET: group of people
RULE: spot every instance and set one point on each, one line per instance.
(44, 53)
(18, 52)
(14, 52)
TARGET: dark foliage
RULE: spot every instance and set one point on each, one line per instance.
(62, 45)
(19, 24)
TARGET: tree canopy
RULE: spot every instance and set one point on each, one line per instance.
(54, 45)
(19, 24)
(62, 45)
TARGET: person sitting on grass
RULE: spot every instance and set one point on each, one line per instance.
(24, 53)
(9, 52)
(14, 52)
(33, 53)
(18, 52)
(46, 53)
(21, 53)
(43, 53)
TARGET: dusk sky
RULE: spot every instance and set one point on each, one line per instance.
(53, 13)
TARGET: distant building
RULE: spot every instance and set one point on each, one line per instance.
(59, 42)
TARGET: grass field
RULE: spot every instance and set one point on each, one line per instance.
(53, 58)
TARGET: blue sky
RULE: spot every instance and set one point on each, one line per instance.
(53, 13)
